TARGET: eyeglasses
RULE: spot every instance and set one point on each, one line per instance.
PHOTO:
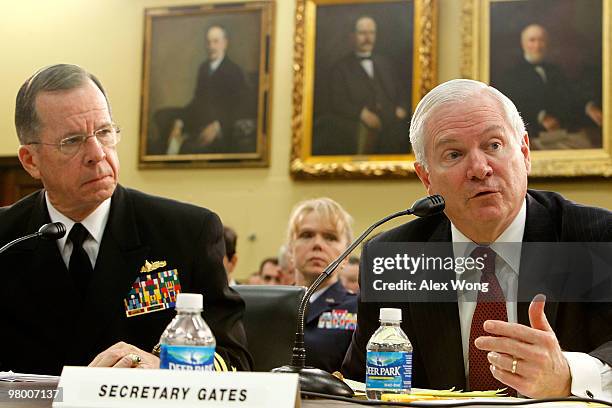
(107, 136)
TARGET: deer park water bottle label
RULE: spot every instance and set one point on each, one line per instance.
(389, 370)
(190, 358)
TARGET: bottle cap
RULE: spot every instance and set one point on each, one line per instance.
(390, 315)
(189, 301)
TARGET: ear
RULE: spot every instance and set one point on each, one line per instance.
(526, 152)
(423, 175)
(29, 160)
(234, 260)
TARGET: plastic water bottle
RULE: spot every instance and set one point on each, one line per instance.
(388, 358)
(187, 343)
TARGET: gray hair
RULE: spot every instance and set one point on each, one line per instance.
(220, 27)
(283, 257)
(534, 25)
(453, 92)
(59, 77)
(363, 17)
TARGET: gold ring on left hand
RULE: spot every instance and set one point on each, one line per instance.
(135, 358)
(514, 364)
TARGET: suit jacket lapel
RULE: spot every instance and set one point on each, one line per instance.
(46, 276)
(47, 266)
(362, 72)
(539, 227)
(330, 298)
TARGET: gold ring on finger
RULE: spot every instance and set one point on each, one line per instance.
(514, 364)
(135, 358)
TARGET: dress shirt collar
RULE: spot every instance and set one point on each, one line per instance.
(362, 55)
(531, 61)
(319, 292)
(215, 64)
(507, 245)
(95, 223)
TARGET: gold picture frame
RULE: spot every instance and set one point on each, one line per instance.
(407, 32)
(495, 32)
(207, 85)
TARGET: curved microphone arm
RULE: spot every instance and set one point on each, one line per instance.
(317, 380)
(18, 240)
(50, 231)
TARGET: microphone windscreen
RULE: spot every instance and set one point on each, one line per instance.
(427, 206)
(53, 230)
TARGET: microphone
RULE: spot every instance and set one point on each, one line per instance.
(51, 231)
(316, 380)
(427, 206)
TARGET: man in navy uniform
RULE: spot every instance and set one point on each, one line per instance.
(66, 301)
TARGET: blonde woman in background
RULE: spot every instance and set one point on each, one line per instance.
(319, 230)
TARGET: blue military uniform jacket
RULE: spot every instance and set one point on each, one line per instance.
(328, 329)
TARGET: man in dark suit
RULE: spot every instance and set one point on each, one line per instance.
(66, 301)
(542, 93)
(471, 147)
(207, 124)
(368, 101)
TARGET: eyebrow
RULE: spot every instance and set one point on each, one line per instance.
(322, 231)
(103, 125)
(448, 140)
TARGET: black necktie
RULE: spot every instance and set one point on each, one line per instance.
(79, 266)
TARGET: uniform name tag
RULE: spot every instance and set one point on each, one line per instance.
(114, 387)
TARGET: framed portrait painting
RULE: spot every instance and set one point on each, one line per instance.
(361, 66)
(552, 59)
(206, 85)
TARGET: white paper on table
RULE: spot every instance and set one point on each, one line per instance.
(9, 376)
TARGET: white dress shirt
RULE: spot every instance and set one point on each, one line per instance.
(215, 64)
(318, 294)
(589, 374)
(367, 64)
(95, 223)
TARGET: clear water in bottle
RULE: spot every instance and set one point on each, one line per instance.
(188, 343)
(388, 357)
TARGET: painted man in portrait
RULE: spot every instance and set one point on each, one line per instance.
(543, 95)
(369, 104)
(207, 124)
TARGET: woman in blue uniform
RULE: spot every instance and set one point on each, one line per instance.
(319, 230)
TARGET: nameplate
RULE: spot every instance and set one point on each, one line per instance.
(119, 387)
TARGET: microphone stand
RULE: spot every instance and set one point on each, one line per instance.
(54, 230)
(317, 380)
